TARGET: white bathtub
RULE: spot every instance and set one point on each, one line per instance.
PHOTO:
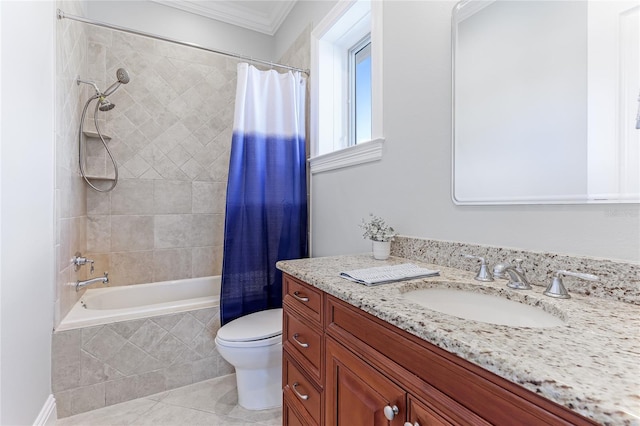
(112, 304)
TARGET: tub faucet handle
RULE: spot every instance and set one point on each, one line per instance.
(79, 260)
(483, 274)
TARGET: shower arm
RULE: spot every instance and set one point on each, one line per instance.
(91, 83)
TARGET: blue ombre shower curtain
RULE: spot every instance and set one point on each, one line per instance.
(266, 213)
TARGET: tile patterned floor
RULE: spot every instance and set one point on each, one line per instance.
(212, 402)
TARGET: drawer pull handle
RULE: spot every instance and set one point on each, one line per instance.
(295, 338)
(409, 424)
(303, 299)
(391, 412)
(301, 396)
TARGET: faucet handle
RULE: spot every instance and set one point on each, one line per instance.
(518, 263)
(483, 274)
(556, 287)
(79, 260)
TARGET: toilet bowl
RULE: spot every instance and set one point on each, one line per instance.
(253, 345)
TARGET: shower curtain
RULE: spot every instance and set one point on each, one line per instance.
(266, 212)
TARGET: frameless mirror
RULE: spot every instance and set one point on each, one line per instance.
(545, 102)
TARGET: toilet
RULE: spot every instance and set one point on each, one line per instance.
(253, 345)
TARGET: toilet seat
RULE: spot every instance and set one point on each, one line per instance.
(262, 328)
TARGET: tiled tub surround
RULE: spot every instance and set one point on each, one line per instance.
(618, 280)
(170, 135)
(70, 195)
(590, 365)
(103, 365)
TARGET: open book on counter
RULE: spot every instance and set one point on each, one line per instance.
(388, 274)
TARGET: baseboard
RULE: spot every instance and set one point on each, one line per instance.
(48, 414)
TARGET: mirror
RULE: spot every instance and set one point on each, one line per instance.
(545, 102)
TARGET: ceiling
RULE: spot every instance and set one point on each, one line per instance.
(264, 16)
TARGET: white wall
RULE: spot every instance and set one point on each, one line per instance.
(303, 14)
(155, 18)
(27, 203)
(410, 186)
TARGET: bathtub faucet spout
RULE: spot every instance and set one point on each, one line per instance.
(104, 280)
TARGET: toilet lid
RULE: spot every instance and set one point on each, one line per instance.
(256, 326)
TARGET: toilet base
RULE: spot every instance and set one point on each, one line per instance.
(259, 389)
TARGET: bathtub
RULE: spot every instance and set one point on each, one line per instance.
(123, 343)
(113, 304)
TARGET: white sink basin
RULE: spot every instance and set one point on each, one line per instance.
(482, 307)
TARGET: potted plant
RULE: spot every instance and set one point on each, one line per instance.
(380, 234)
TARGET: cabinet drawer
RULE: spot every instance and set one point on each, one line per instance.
(304, 342)
(300, 389)
(304, 298)
(292, 413)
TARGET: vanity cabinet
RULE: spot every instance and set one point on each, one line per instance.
(303, 353)
(369, 372)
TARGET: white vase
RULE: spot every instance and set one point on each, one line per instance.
(381, 249)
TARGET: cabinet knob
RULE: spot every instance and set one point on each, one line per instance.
(297, 295)
(391, 412)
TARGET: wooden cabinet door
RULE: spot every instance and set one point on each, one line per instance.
(356, 393)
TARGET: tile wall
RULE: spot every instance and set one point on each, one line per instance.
(299, 54)
(70, 194)
(170, 134)
(94, 367)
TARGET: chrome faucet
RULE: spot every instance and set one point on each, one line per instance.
(556, 287)
(517, 278)
(104, 280)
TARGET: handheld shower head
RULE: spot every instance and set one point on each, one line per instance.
(105, 104)
(122, 75)
(123, 78)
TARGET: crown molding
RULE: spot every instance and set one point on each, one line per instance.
(239, 13)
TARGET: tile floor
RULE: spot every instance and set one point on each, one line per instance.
(212, 402)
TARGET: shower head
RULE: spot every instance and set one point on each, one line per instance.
(122, 75)
(123, 78)
(105, 104)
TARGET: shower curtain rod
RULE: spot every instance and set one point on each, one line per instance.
(63, 15)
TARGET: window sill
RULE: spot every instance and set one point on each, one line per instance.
(359, 154)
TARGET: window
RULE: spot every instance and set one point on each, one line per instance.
(346, 87)
(360, 91)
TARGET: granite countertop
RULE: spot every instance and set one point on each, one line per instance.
(591, 365)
